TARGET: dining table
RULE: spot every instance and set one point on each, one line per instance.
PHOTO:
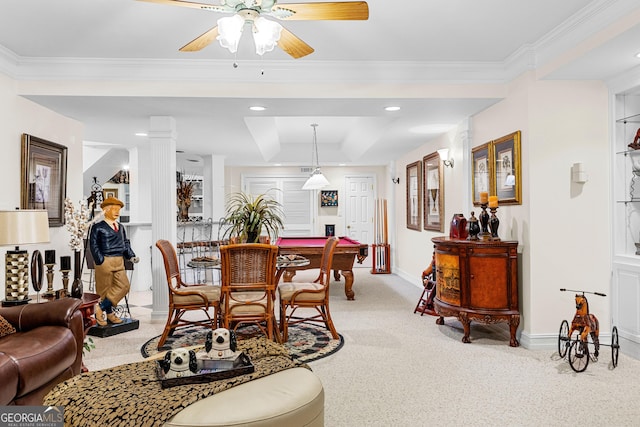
(282, 263)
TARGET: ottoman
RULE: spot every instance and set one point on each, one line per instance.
(290, 398)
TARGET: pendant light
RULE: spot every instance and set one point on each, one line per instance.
(317, 180)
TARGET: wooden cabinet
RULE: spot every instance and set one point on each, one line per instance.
(477, 281)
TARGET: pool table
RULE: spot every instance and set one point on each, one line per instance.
(346, 252)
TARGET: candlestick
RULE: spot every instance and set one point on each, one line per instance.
(65, 278)
(49, 292)
(494, 222)
(493, 202)
(50, 257)
(484, 223)
(484, 197)
(65, 263)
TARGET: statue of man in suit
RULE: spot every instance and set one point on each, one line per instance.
(110, 247)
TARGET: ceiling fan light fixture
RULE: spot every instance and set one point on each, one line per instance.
(266, 34)
(229, 32)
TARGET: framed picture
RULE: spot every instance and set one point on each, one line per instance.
(433, 209)
(328, 198)
(481, 171)
(110, 192)
(43, 177)
(414, 196)
(506, 182)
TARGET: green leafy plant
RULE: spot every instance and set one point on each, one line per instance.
(248, 216)
(87, 345)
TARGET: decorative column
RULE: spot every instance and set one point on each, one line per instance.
(162, 139)
(214, 188)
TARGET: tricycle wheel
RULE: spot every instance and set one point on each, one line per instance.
(579, 355)
(614, 346)
(563, 338)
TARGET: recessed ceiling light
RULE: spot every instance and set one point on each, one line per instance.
(342, 164)
(141, 134)
(392, 108)
(257, 108)
(638, 55)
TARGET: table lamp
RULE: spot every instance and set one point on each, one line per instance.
(20, 227)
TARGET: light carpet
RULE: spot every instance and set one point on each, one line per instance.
(397, 368)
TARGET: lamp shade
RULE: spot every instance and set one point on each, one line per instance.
(229, 32)
(22, 227)
(443, 153)
(266, 34)
(510, 181)
(316, 181)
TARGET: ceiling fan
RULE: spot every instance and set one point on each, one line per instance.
(267, 33)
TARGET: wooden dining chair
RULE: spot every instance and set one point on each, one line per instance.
(247, 276)
(184, 297)
(314, 295)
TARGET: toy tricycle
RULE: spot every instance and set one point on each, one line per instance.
(586, 328)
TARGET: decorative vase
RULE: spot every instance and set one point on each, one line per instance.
(474, 227)
(183, 209)
(76, 286)
(458, 228)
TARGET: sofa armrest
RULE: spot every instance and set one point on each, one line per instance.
(29, 316)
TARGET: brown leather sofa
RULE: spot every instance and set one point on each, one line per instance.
(45, 350)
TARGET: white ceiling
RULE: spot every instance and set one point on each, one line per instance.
(441, 61)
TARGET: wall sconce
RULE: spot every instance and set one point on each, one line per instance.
(444, 156)
(395, 180)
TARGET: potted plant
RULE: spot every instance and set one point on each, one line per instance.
(248, 216)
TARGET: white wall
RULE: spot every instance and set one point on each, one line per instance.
(18, 116)
(563, 227)
(335, 175)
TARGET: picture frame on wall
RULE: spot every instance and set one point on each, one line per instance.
(328, 198)
(433, 197)
(507, 182)
(414, 196)
(110, 192)
(481, 171)
(43, 177)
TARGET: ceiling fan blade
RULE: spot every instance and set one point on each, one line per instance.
(193, 5)
(201, 41)
(349, 10)
(293, 45)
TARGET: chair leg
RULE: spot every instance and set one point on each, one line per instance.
(329, 323)
(167, 329)
(283, 321)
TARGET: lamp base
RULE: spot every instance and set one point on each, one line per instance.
(6, 303)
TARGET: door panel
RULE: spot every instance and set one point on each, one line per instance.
(360, 196)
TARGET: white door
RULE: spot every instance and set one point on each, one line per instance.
(360, 195)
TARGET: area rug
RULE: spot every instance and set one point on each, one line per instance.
(307, 342)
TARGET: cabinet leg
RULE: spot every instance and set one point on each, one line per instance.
(440, 321)
(514, 321)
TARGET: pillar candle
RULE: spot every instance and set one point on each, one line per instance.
(50, 257)
(484, 196)
(493, 201)
(65, 263)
